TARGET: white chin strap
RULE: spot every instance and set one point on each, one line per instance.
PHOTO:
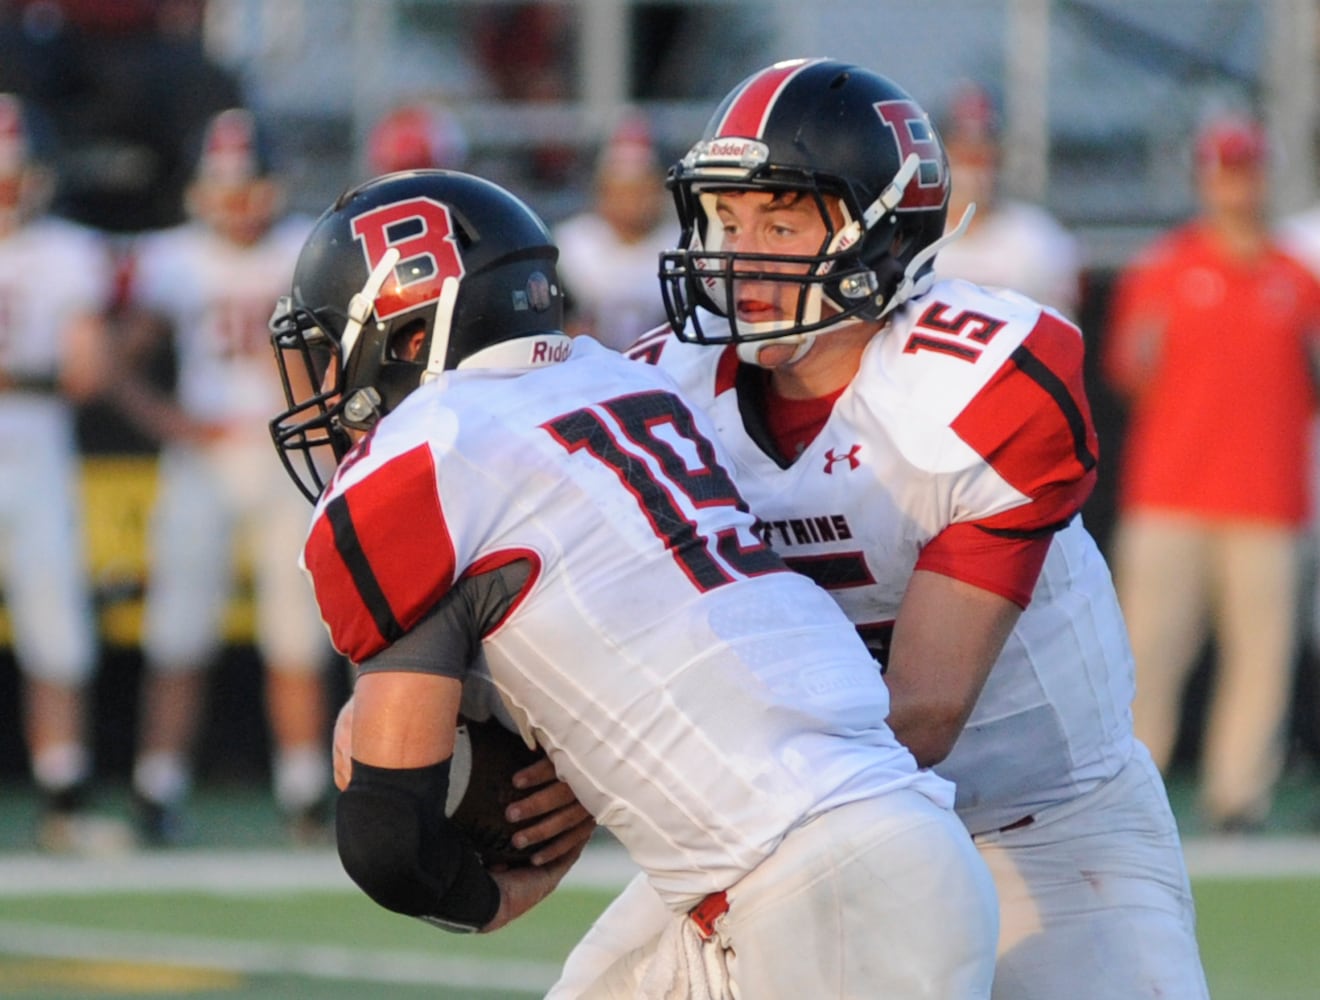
(749, 351)
(440, 329)
(360, 306)
(911, 286)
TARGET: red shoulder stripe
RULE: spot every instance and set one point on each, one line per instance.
(373, 579)
(648, 346)
(1032, 423)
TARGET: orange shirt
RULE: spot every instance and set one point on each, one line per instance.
(1220, 427)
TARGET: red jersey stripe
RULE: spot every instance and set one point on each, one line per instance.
(1008, 567)
(726, 375)
(374, 556)
(353, 629)
(1032, 424)
(402, 506)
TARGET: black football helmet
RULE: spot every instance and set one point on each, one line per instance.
(405, 277)
(820, 128)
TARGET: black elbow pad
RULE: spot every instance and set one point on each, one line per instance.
(396, 844)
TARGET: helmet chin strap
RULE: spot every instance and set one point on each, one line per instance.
(362, 303)
(361, 409)
(749, 351)
(444, 321)
(910, 285)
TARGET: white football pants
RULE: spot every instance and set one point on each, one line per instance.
(884, 897)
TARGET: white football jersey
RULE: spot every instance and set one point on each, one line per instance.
(968, 409)
(614, 285)
(1018, 246)
(218, 296)
(50, 271)
(700, 700)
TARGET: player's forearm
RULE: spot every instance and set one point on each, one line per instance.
(947, 637)
(928, 729)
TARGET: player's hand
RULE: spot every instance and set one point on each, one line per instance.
(342, 754)
(564, 825)
(522, 888)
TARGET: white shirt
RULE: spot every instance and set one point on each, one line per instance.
(51, 271)
(614, 285)
(699, 700)
(218, 297)
(944, 424)
(1018, 246)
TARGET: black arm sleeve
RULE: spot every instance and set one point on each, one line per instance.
(396, 844)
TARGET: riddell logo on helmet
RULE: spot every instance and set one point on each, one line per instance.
(747, 152)
(550, 350)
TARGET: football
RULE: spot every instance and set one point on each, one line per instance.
(486, 757)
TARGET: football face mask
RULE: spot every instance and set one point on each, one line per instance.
(309, 435)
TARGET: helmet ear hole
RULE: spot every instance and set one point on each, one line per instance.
(407, 343)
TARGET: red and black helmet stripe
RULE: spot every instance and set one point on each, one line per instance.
(750, 108)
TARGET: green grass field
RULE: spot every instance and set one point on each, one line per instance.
(1258, 938)
(234, 919)
(276, 947)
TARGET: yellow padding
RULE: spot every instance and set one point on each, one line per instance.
(118, 491)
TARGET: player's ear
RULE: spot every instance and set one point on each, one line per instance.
(406, 344)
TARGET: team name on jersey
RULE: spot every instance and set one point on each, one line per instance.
(804, 530)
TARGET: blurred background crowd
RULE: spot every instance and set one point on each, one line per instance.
(1147, 169)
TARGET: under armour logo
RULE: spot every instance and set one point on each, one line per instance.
(850, 456)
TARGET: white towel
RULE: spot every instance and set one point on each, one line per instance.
(686, 966)
(678, 964)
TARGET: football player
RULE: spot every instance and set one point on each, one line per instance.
(55, 286)
(608, 251)
(542, 525)
(1009, 242)
(208, 284)
(922, 449)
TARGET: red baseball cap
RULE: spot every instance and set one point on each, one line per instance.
(417, 136)
(1231, 141)
(630, 152)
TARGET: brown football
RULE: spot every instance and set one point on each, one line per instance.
(486, 757)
